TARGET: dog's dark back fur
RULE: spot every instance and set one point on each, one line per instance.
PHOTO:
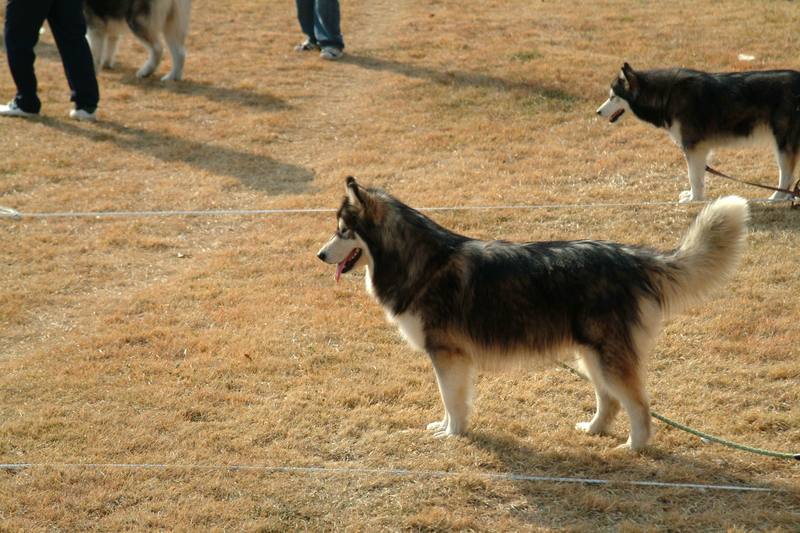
(711, 104)
(128, 10)
(571, 290)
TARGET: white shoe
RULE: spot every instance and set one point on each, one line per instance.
(12, 110)
(331, 53)
(83, 115)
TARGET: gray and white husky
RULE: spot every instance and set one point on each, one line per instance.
(147, 19)
(473, 304)
(702, 111)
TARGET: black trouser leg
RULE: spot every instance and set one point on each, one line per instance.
(69, 31)
(23, 20)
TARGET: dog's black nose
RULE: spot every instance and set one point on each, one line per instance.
(321, 255)
(598, 111)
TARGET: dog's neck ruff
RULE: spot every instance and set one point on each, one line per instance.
(407, 251)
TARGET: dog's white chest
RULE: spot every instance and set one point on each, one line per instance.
(675, 133)
(411, 329)
(368, 282)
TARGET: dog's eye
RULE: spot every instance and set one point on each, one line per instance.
(344, 233)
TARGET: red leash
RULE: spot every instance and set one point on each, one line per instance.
(794, 193)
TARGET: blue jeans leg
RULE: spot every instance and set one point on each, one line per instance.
(23, 20)
(69, 31)
(305, 15)
(326, 23)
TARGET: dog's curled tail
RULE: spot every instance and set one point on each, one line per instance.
(707, 256)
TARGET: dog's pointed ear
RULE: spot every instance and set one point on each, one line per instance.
(629, 75)
(354, 192)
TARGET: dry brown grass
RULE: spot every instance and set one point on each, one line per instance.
(224, 341)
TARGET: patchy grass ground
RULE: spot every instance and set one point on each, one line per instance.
(222, 340)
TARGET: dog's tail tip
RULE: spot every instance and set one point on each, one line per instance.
(708, 254)
(733, 203)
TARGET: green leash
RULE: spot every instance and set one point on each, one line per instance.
(706, 436)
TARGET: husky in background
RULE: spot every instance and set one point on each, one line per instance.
(703, 111)
(147, 19)
(472, 304)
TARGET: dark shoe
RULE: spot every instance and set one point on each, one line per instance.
(306, 46)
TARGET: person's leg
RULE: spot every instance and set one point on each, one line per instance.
(326, 24)
(23, 20)
(305, 16)
(69, 31)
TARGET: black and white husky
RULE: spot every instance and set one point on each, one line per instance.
(472, 304)
(147, 19)
(703, 111)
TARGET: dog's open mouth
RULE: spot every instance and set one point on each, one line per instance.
(348, 263)
(618, 113)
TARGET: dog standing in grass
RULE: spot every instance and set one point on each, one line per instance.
(148, 20)
(702, 111)
(472, 304)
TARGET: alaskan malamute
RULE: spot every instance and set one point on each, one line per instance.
(147, 19)
(472, 304)
(703, 111)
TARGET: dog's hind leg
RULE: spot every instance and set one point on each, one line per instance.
(696, 163)
(112, 44)
(155, 51)
(630, 392)
(607, 405)
(97, 37)
(787, 161)
(147, 26)
(455, 376)
(175, 30)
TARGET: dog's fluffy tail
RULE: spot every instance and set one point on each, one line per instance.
(707, 256)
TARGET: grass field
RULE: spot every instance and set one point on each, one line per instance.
(222, 340)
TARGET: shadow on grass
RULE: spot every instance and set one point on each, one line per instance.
(779, 217)
(456, 78)
(224, 95)
(254, 171)
(653, 465)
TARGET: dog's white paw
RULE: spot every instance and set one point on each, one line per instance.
(439, 425)
(446, 433)
(686, 196)
(586, 427)
(779, 196)
(630, 447)
(172, 76)
(145, 71)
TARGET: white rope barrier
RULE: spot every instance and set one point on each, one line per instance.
(499, 476)
(7, 212)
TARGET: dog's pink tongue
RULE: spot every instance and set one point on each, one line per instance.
(339, 268)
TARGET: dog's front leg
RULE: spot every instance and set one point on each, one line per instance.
(696, 163)
(97, 42)
(787, 160)
(455, 376)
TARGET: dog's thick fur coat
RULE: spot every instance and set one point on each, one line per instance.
(703, 111)
(472, 304)
(148, 20)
